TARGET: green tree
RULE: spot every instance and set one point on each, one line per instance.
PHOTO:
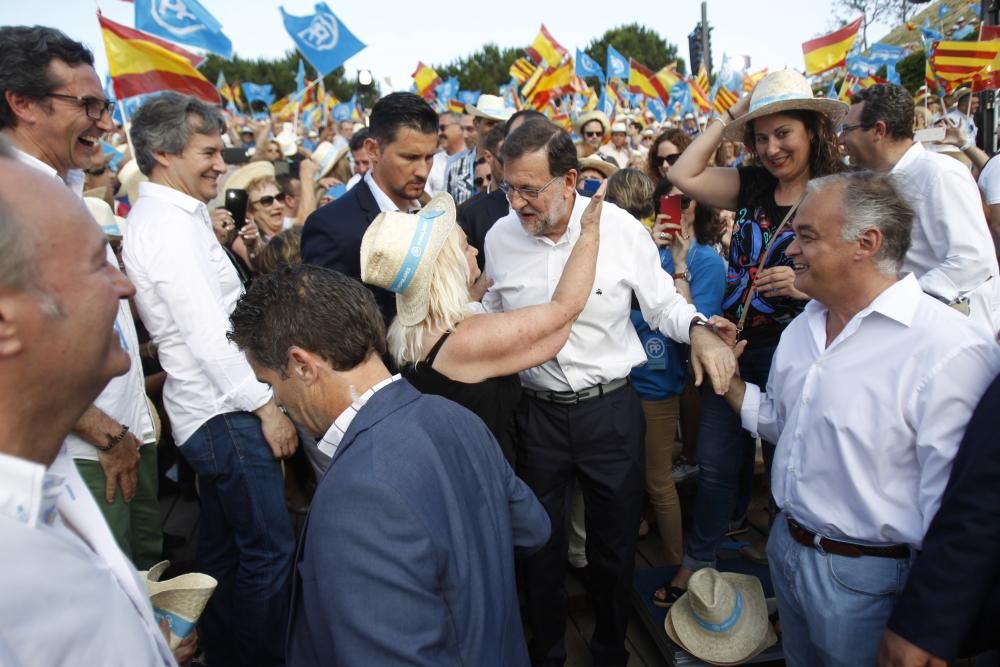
(636, 41)
(911, 71)
(872, 11)
(485, 70)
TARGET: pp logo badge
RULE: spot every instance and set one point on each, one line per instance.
(655, 348)
(322, 34)
(174, 16)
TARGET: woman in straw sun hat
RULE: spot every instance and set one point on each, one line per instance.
(791, 135)
(440, 345)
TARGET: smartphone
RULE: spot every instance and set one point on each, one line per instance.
(235, 156)
(929, 134)
(671, 205)
(590, 186)
(236, 204)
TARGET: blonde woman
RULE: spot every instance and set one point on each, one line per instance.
(441, 346)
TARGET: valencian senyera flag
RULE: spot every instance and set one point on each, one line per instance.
(142, 64)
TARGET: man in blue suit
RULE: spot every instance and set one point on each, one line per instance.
(402, 142)
(407, 555)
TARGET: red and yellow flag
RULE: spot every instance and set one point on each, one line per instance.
(751, 80)
(724, 99)
(988, 78)
(141, 64)
(702, 79)
(426, 80)
(521, 69)
(830, 51)
(698, 95)
(956, 63)
(456, 106)
(642, 81)
(545, 49)
(552, 80)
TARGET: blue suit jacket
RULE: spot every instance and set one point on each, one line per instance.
(407, 555)
(331, 237)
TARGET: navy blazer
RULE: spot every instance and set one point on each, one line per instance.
(951, 603)
(407, 555)
(477, 217)
(331, 237)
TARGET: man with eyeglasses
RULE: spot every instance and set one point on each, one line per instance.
(54, 113)
(580, 418)
(952, 253)
(452, 142)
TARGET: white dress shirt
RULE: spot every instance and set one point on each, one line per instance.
(622, 156)
(124, 397)
(70, 597)
(603, 345)
(385, 204)
(867, 427)
(186, 287)
(952, 251)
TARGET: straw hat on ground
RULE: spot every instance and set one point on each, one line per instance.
(180, 600)
(598, 164)
(490, 107)
(722, 619)
(326, 156)
(242, 177)
(784, 91)
(599, 116)
(399, 250)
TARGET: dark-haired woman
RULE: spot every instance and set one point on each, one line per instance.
(791, 135)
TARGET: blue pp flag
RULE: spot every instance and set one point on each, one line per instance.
(448, 89)
(886, 54)
(587, 66)
(183, 21)
(929, 33)
(860, 66)
(324, 41)
(831, 93)
(259, 92)
(680, 98)
(468, 97)
(942, 10)
(963, 32)
(342, 111)
(617, 65)
(658, 109)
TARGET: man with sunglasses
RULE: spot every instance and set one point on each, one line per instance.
(54, 113)
(952, 253)
(452, 142)
(593, 128)
(580, 418)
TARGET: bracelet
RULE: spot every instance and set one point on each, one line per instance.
(729, 112)
(115, 440)
(718, 118)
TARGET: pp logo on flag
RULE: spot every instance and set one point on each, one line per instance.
(617, 68)
(322, 34)
(183, 21)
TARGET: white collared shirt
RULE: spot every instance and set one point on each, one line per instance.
(124, 397)
(867, 428)
(331, 440)
(186, 287)
(69, 593)
(622, 156)
(951, 252)
(385, 204)
(603, 345)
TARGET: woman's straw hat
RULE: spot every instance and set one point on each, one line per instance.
(784, 91)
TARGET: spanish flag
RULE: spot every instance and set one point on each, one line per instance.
(956, 63)
(142, 64)
(668, 76)
(546, 49)
(830, 51)
(426, 80)
(642, 81)
(553, 82)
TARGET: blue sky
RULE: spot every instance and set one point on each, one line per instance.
(401, 32)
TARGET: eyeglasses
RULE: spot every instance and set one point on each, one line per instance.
(669, 159)
(599, 133)
(96, 107)
(96, 171)
(526, 193)
(479, 180)
(267, 200)
(685, 202)
(442, 128)
(846, 129)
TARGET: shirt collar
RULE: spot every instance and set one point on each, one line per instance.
(911, 154)
(385, 204)
(74, 177)
(898, 302)
(28, 491)
(331, 441)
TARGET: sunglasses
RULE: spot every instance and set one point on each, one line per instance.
(594, 134)
(96, 171)
(669, 159)
(95, 106)
(267, 200)
(479, 180)
(685, 202)
(442, 128)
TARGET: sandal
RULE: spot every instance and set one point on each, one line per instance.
(665, 596)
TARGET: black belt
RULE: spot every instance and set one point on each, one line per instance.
(808, 538)
(574, 397)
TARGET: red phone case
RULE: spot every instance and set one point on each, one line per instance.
(671, 205)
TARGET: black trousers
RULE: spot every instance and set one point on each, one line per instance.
(600, 442)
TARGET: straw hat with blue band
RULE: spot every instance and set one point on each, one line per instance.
(722, 619)
(398, 252)
(784, 91)
(326, 156)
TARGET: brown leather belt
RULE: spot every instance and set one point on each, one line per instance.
(808, 538)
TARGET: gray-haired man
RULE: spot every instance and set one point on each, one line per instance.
(868, 398)
(226, 423)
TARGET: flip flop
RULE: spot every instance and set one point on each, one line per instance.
(671, 594)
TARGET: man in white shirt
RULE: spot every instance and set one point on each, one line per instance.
(450, 135)
(580, 418)
(54, 113)
(227, 424)
(952, 254)
(868, 398)
(618, 149)
(70, 596)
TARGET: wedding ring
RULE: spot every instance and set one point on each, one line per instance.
(663, 235)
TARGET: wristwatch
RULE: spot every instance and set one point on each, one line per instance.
(682, 275)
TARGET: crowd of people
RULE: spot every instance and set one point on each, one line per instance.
(466, 345)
